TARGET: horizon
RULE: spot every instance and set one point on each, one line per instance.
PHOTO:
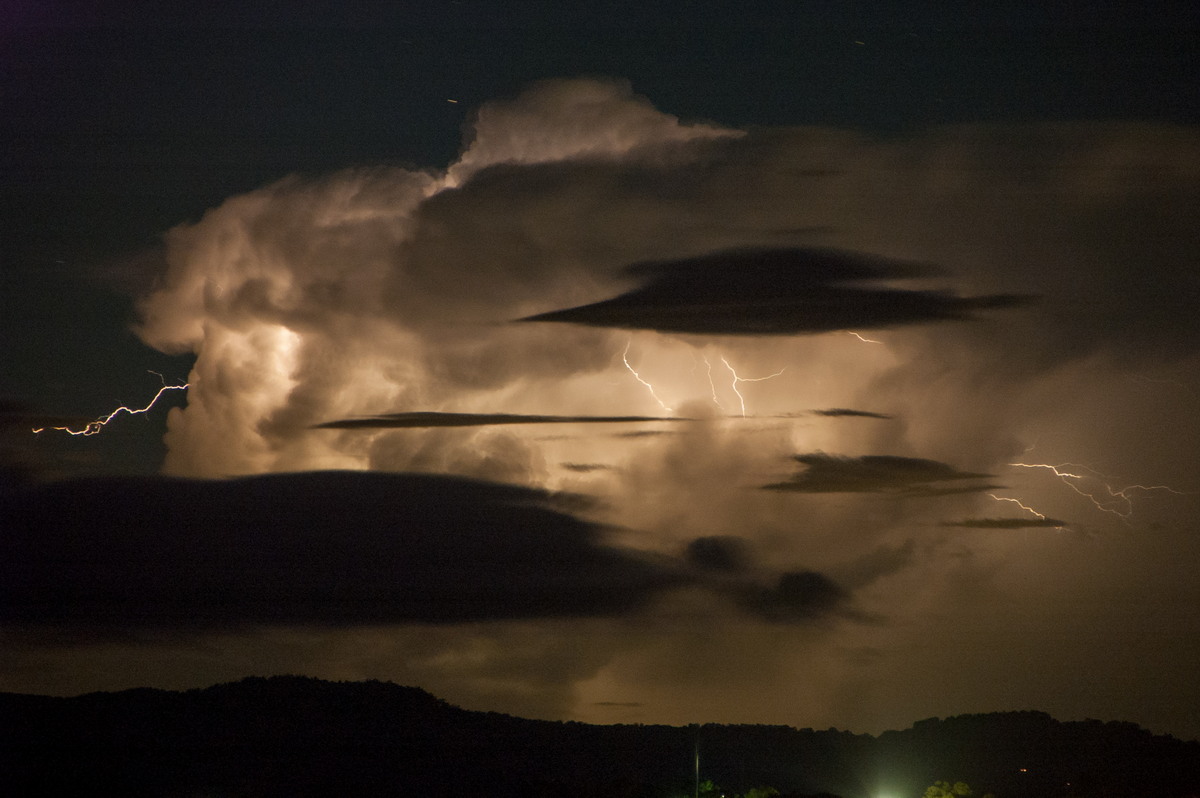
(832, 729)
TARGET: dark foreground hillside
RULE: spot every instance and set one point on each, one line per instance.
(291, 736)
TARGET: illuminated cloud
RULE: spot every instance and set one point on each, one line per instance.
(775, 292)
(311, 300)
(329, 299)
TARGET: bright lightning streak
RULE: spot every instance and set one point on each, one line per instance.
(712, 386)
(864, 340)
(94, 427)
(737, 379)
(625, 358)
(1119, 501)
(1019, 504)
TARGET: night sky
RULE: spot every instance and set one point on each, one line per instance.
(793, 363)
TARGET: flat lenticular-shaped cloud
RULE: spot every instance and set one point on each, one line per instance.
(845, 412)
(1006, 523)
(909, 476)
(776, 292)
(415, 420)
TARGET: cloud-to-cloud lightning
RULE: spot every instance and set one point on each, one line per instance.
(1020, 504)
(1105, 496)
(96, 426)
(861, 338)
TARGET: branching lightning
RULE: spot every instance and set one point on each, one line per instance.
(712, 386)
(94, 427)
(638, 377)
(1106, 497)
(737, 379)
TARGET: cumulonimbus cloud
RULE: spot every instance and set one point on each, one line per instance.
(314, 300)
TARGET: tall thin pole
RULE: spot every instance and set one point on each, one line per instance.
(697, 760)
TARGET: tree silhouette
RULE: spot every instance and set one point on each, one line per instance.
(944, 789)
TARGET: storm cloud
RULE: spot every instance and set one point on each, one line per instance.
(381, 301)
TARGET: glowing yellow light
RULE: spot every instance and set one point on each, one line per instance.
(1019, 504)
(864, 340)
(94, 427)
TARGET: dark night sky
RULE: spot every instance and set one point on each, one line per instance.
(323, 216)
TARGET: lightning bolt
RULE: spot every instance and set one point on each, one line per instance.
(1107, 498)
(737, 379)
(94, 427)
(712, 386)
(638, 377)
(864, 340)
(1019, 504)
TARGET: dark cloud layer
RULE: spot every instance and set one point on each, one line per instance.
(328, 548)
(433, 419)
(1006, 523)
(798, 595)
(336, 548)
(840, 412)
(908, 476)
(719, 553)
(776, 292)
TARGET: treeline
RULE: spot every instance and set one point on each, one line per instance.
(295, 736)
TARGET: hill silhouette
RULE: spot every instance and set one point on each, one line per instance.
(297, 736)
